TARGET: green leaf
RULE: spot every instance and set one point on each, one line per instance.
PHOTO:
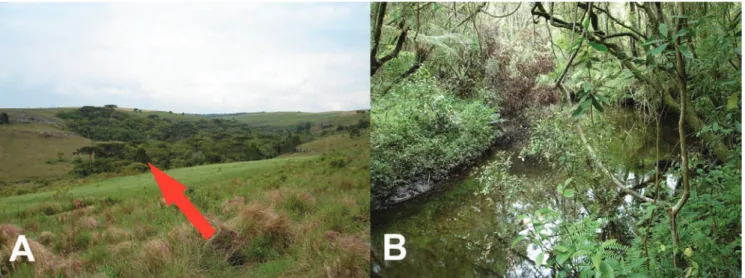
(597, 105)
(608, 243)
(587, 23)
(686, 52)
(733, 101)
(597, 259)
(650, 42)
(539, 259)
(680, 33)
(568, 181)
(561, 248)
(586, 86)
(606, 271)
(538, 227)
(517, 240)
(663, 29)
(650, 210)
(569, 193)
(581, 107)
(577, 43)
(580, 253)
(562, 257)
(658, 49)
(599, 47)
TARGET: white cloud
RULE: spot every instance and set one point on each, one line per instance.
(192, 57)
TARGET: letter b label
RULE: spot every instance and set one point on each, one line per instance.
(387, 245)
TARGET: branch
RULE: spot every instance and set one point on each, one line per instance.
(719, 148)
(376, 34)
(683, 105)
(471, 16)
(506, 15)
(599, 163)
(421, 55)
(399, 43)
(375, 64)
(631, 35)
(571, 59)
(636, 34)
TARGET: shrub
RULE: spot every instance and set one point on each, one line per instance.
(337, 163)
(135, 168)
(420, 132)
(63, 193)
(299, 204)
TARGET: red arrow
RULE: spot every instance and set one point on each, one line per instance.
(173, 192)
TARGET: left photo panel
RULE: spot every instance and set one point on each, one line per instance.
(184, 140)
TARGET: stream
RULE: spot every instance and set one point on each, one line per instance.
(456, 231)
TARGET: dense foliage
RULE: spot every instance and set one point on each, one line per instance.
(440, 91)
(684, 219)
(421, 133)
(646, 138)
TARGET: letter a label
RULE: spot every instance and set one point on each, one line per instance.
(17, 249)
(400, 247)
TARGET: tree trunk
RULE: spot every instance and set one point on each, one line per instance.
(681, 132)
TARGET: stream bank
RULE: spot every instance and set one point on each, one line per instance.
(456, 231)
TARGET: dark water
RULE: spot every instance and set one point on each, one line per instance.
(458, 232)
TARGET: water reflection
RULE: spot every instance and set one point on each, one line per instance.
(463, 234)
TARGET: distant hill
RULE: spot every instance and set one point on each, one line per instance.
(171, 115)
(30, 145)
(266, 119)
(290, 119)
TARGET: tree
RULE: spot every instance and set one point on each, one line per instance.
(141, 156)
(4, 119)
(363, 123)
(89, 150)
(630, 54)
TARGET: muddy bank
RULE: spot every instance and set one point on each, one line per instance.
(514, 135)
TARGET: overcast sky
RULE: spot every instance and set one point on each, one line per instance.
(194, 58)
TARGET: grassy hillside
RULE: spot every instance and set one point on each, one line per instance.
(290, 119)
(30, 144)
(30, 151)
(305, 216)
(35, 114)
(175, 116)
(336, 142)
(271, 119)
(266, 119)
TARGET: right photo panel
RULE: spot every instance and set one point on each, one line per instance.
(573, 139)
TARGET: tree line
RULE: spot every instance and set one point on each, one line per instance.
(127, 142)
